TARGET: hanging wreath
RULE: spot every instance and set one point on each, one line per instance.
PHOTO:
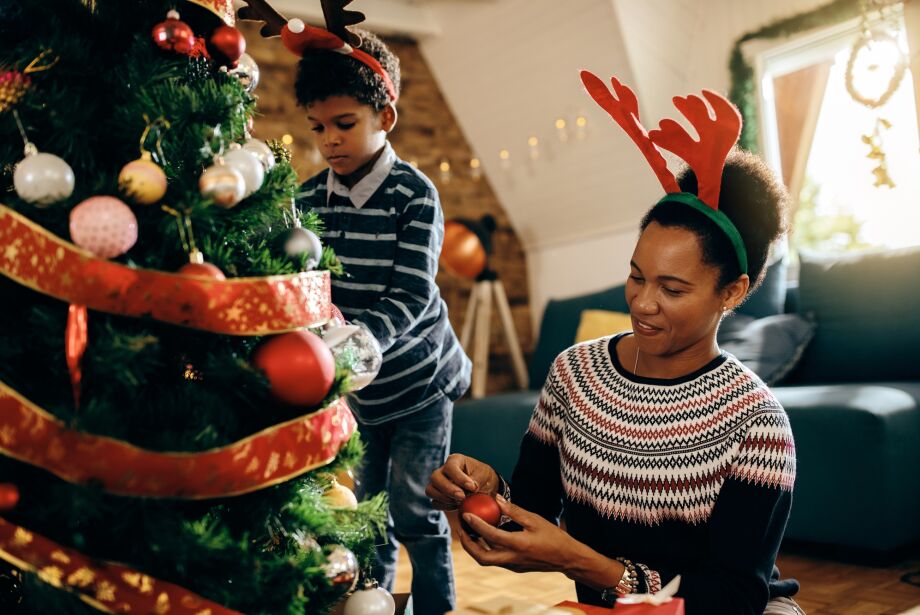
(863, 43)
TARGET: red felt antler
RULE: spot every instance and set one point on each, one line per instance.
(718, 132)
(624, 109)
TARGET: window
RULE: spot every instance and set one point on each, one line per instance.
(821, 139)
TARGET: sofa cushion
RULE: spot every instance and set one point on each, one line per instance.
(868, 324)
(856, 462)
(770, 296)
(491, 429)
(599, 323)
(771, 346)
(560, 323)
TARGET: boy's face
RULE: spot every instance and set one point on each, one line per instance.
(348, 133)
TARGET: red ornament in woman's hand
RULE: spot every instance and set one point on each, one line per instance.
(483, 506)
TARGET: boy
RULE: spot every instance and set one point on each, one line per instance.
(384, 221)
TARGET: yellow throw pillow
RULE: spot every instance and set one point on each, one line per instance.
(599, 323)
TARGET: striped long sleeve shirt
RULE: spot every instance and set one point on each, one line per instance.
(387, 230)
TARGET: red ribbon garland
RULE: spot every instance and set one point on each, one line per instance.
(106, 586)
(272, 456)
(35, 258)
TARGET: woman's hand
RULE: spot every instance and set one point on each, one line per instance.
(459, 476)
(541, 546)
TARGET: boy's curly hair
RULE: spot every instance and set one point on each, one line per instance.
(321, 74)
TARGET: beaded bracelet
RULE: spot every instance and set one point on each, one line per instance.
(630, 580)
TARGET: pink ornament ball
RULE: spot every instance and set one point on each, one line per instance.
(103, 225)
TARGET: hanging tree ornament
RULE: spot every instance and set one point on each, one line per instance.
(40, 178)
(142, 179)
(174, 35)
(282, 153)
(248, 164)
(339, 497)
(226, 45)
(14, 84)
(301, 242)
(299, 367)
(262, 151)
(196, 266)
(358, 349)
(103, 225)
(370, 600)
(341, 568)
(247, 71)
(222, 183)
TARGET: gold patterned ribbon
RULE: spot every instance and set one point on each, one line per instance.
(274, 455)
(106, 586)
(33, 257)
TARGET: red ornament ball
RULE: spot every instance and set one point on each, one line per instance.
(299, 367)
(174, 35)
(9, 496)
(483, 506)
(227, 45)
(202, 270)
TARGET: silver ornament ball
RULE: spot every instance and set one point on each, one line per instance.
(262, 151)
(370, 600)
(42, 179)
(300, 241)
(224, 184)
(357, 347)
(247, 71)
(341, 568)
(249, 165)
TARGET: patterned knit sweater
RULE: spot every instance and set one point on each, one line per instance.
(690, 476)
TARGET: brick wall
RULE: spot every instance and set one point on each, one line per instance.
(427, 132)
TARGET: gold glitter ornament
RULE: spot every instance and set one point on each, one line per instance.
(282, 154)
(143, 180)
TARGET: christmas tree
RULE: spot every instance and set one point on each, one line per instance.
(171, 372)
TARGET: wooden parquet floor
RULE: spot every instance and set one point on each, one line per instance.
(828, 587)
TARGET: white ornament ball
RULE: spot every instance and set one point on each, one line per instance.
(372, 601)
(143, 180)
(224, 184)
(103, 225)
(249, 165)
(262, 151)
(247, 71)
(42, 179)
(303, 241)
(359, 348)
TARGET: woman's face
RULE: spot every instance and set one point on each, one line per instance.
(672, 294)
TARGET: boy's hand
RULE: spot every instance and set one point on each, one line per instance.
(459, 476)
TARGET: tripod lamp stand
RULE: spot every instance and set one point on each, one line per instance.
(467, 246)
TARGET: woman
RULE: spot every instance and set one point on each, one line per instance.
(666, 455)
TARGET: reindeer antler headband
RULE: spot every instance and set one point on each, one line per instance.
(718, 131)
(300, 38)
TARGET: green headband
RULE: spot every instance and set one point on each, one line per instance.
(720, 219)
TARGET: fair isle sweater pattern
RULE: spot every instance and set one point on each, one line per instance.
(649, 453)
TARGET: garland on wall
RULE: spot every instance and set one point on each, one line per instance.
(743, 89)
